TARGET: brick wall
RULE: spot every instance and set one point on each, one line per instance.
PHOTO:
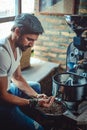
(52, 45)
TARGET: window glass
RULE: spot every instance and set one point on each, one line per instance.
(27, 6)
(5, 29)
(7, 8)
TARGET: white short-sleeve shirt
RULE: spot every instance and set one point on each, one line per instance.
(8, 64)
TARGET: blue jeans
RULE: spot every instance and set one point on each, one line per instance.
(14, 117)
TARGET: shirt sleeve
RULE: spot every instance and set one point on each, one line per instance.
(5, 62)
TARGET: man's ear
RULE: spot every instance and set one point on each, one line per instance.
(17, 31)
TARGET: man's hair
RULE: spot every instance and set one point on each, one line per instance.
(27, 24)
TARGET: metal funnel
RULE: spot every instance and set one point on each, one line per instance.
(78, 23)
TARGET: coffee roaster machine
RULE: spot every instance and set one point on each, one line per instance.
(70, 87)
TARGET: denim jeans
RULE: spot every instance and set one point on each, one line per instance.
(14, 117)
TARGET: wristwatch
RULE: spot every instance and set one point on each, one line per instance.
(33, 102)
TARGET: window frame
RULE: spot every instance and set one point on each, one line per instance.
(17, 11)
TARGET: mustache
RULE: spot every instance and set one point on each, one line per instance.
(27, 47)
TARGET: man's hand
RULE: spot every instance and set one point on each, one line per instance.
(46, 102)
(41, 95)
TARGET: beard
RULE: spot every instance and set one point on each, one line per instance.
(19, 44)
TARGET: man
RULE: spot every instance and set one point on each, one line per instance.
(14, 90)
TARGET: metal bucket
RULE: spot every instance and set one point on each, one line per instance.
(73, 86)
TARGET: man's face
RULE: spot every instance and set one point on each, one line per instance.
(26, 41)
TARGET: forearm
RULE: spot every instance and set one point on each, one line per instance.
(8, 98)
(24, 86)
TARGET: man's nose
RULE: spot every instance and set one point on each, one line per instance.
(31, 43)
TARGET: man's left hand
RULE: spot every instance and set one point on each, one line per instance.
(41, 95)
(46, 102)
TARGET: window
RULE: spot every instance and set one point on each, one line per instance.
(5, 29)
(8, 10)
(27, 6)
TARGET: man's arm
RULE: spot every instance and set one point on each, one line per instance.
(22, 84)
(43, 100)
(7, 98)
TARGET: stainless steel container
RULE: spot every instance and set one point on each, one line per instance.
(74, 86)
